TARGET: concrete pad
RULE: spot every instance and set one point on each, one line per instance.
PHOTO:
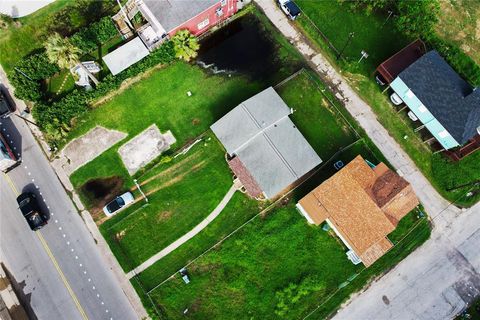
(144, 148)
(86, 148)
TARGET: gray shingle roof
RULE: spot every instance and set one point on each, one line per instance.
(172, 13)
(261, 134)
(451, 100)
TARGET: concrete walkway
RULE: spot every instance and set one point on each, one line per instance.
(440, 278)
(189, 235)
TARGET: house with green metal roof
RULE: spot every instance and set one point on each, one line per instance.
(446, 105)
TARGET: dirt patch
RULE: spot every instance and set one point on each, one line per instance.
(100, 191)
(173, 169)
(176, 179)
(165, 215)
(119, 235)
(196, 121)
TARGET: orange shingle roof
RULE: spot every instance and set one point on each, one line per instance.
(349, 200)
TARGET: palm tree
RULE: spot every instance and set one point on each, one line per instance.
(185, 44)
(62, 52)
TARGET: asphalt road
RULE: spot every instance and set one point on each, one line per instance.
(437, 281)
(59, 269)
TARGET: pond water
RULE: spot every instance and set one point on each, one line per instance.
(241, 47)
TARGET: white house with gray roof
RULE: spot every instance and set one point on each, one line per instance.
(266, 151)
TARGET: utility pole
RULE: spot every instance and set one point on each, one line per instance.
(350, 36)
(390, 12)
(138, 187)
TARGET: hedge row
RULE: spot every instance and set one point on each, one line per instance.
(88, 39)
(28, 73)
(55, 119)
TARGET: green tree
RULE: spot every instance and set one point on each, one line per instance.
(62, 52)
(417, 18)
(185, 45)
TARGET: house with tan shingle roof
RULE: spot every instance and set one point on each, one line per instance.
(362, 205)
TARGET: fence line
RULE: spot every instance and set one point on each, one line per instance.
(261, 212)
(329, 43)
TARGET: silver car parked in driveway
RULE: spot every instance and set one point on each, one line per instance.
(118, 204)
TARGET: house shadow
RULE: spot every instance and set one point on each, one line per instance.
(32, 188)
(24, 299)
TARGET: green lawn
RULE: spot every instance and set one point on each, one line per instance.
(275, 267)
(336, 20)
(17, 42)
(327, 132)
(161, 99)
(180, 193)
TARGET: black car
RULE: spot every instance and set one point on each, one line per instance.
(5, 107)
(28, 204)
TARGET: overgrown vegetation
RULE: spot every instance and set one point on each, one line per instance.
(277, 267)
(55, 118)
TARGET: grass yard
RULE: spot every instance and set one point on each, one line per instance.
(327, 131)
(336, 21)
(181, 194)
(275, 267)
(17, 41)
(162, 99)
(460, 23)
(381, 41)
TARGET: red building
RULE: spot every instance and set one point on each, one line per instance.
(155, 20)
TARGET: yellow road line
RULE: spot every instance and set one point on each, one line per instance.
(65, 282)
(12, 186)
(52, 258)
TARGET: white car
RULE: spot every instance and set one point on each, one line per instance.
(396, 100)
(289, 8)
(118, 204)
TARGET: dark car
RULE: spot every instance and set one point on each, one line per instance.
(289, 8)
(28, 204)
(5, 106)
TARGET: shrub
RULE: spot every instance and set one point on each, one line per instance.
(290, 295)
(417, 18)
(79, 13)
(185, 45)
(28, 73)
(97, 33)
(55, 119)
